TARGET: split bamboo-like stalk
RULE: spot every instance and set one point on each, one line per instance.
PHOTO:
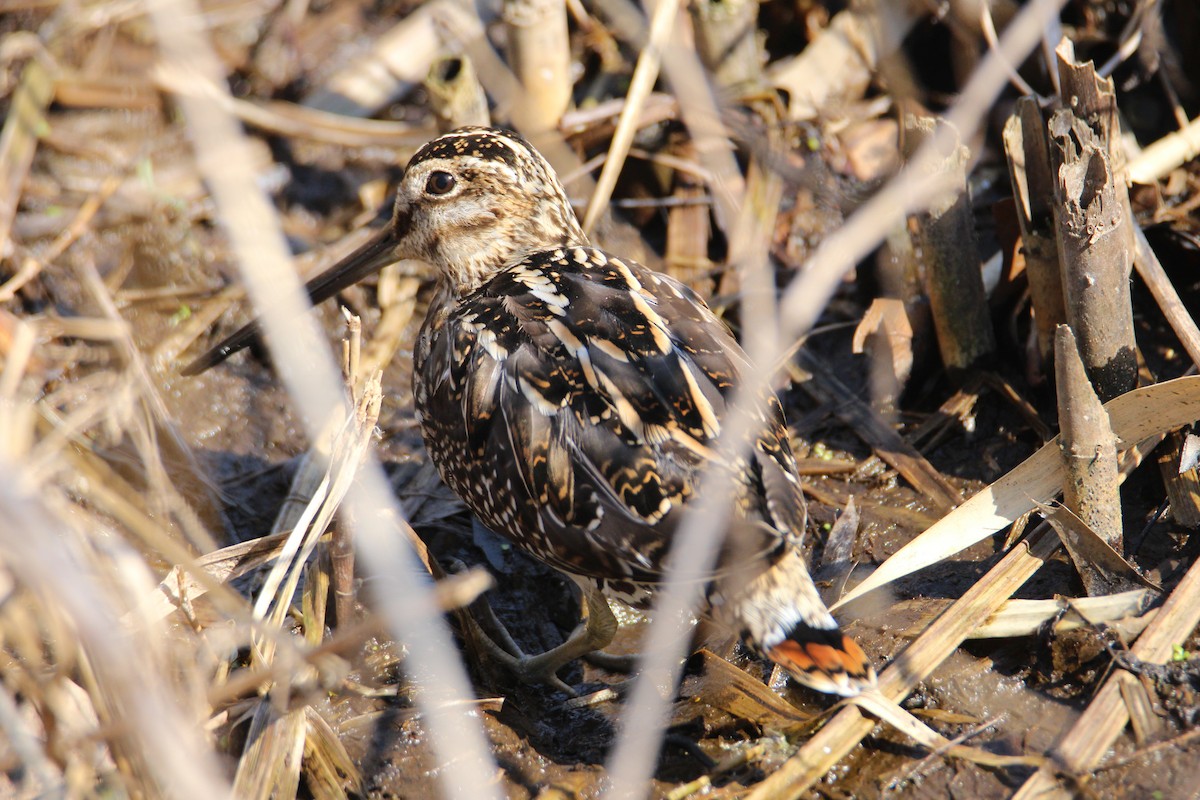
(1089, 450)
(1095, 241)
(1033, 189)
(539, 52)
(456, 97)
(954, 282)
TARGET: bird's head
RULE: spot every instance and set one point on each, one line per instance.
(476, 199)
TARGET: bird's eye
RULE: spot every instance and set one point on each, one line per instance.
(439, 183)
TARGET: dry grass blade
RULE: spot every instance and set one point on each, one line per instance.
(31, 267)
(1135, 416)
(890, 712)
(180, 585)
(329, 768)
(171, 466)
(274, 743)
(350, 448)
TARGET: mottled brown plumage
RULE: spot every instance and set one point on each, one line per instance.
(573, 399)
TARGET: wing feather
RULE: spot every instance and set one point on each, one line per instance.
(607, 414)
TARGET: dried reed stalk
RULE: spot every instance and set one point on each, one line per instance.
(1168, 153)
(1156, 280)
(688, 226)
(645, 73)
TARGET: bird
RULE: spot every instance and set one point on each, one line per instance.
(573, 400)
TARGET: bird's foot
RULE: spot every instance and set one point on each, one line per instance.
(593, 634)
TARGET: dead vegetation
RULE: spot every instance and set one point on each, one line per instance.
(242, 583)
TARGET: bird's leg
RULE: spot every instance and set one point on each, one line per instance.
(497, 640)
(594, 633)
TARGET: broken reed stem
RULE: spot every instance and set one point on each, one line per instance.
(539, 52)
(727, 40)
(950, 254)
(456, 97)
(1033, 188)
(1095, 240)
(1089, 450)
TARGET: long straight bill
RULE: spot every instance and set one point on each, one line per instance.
(373, 256)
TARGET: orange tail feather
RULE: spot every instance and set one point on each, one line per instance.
(826, 660)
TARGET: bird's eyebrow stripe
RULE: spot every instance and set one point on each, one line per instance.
(484, 145)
